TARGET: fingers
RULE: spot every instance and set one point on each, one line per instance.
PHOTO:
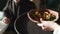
(6, 20)
(39, 24)
(41, 20)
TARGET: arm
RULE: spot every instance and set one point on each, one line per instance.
(7, 12)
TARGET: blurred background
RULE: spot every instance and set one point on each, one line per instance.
(31, 25)
(2, 4)
(51, 4)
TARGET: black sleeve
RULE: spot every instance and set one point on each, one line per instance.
(6, 11)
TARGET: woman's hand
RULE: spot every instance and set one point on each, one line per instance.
(48, 25)
(6, 20)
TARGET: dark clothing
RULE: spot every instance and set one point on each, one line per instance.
(12, 12)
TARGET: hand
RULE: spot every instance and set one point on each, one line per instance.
(48, 25)
(6, 20)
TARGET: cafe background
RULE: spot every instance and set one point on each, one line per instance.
(32, 26)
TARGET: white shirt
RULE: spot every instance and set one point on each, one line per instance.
(57, 30)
